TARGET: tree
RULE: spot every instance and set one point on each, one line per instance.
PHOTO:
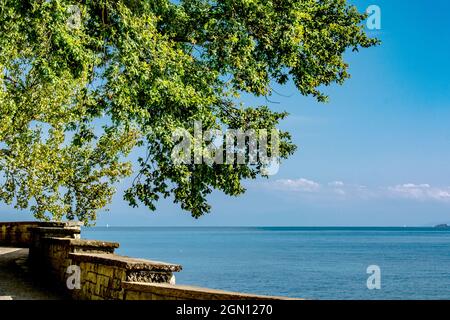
(85, 82)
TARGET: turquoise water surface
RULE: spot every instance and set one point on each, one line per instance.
(316, 263)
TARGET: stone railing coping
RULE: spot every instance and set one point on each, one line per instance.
(193, 293)
(44, 224)
(125, 262)
(73, 224)
(56, 230)
(83, 242)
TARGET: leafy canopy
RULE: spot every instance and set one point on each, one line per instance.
(76, 98)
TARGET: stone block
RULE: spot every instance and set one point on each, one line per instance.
(91, 277)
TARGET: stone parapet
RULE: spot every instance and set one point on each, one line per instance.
(20, 234)
(102, 275)
(164, 291)
(126, 262)
(58, 254)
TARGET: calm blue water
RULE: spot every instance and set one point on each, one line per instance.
(317, 263)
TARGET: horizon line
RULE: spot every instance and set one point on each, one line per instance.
(263, 226)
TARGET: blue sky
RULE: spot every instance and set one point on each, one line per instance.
(376, 155)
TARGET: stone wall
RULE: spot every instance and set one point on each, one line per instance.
(18, 234)
(56, 252)
(102, 274)
(163, 291)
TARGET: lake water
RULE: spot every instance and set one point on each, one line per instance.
(315, 263)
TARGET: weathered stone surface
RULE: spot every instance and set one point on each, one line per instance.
(55, 231)
(18, 234)
(83, 245)
(41, 223)
(125, 262)
(83, 242)
(160, 291)
(149, 276)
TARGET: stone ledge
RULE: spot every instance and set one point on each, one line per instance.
(27, 234)
(43, 224)
(192, 293)
(82, 242)
(125, 262)
(69, 229)
(58, 232)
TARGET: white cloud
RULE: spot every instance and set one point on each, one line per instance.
(340, 190)
(298, 185)
(420, 192)
(336, 184)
